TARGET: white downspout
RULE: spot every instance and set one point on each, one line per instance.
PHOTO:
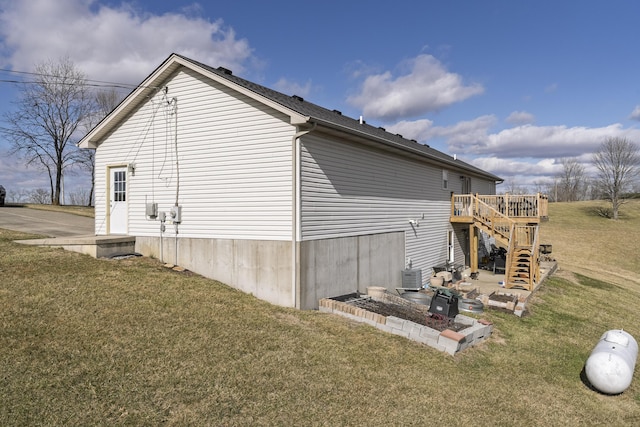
(295, 209)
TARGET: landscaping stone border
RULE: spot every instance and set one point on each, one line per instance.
(447, 341)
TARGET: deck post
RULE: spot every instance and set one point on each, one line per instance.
(507, 211)
(475, 205)
(453, 205)
(473, 242)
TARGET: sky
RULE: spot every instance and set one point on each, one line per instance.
(510, 86)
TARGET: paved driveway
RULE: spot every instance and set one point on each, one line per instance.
(46, 223)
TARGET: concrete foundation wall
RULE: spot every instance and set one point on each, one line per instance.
(334, 267)
(261, 268)
(328, 267)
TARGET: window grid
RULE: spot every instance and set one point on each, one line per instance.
(120, 186)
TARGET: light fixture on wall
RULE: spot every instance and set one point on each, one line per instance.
(131, 167)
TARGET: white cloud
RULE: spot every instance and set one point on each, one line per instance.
(635, 114)
(112, 43)
(511, 167)
(456, 136)
(465, 133)
(358, 69)
(420, 130)
(292, 88)
(520, 118)
(427, 87)
(532, 141)
(526, 153)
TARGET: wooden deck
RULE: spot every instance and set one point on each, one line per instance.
(513, 220)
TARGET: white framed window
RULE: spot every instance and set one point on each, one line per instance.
(445, 179)
(451, 250)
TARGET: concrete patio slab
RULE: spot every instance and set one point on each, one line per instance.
(96, 246)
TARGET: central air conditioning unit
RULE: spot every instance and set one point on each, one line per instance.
(412, 278)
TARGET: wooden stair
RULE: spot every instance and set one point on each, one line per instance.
(523, 262)
(519, 235)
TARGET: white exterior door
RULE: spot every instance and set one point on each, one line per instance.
(118, 200)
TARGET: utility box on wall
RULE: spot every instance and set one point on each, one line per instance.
(412, 278)
(152, 210)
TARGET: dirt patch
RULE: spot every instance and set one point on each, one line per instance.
(415, 314)
(502, 297)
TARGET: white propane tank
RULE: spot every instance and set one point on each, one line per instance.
(610, 366)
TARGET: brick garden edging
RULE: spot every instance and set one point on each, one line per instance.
(448, 341)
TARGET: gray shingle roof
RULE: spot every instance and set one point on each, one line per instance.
(348, 124)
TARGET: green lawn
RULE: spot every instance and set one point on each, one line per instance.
(585, 242)
(102, 342)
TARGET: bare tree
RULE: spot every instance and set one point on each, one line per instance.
(544, 187)
(18, 196)
(510, 186)
(572, 183)
(618, 163)
(39, 196)
(43, 128)
(79, 197)
(104, 102)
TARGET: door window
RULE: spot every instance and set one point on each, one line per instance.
(120, 186)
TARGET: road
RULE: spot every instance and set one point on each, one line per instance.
(46, 223)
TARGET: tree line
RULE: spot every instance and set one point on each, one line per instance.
(616, 177)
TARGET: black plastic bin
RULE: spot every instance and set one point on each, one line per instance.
(444, 303)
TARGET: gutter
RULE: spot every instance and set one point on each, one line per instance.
(295, 210)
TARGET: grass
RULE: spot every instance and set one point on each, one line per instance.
(598, 247)
(102, 342)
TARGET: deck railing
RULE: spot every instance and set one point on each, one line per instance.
(524, 235)
(525, 207)
(498, 223)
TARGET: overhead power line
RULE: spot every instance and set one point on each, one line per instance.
(103, 85)
(88, 82)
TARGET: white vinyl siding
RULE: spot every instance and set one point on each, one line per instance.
(350, 190)
(234, 161)
(480, 186)
(477, 185)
